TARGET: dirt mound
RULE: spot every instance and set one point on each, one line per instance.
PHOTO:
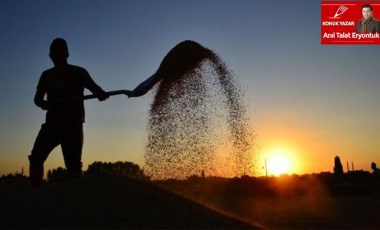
(105, 202)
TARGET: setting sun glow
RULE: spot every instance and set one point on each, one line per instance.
(278, 165)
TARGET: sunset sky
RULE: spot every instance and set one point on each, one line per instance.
(306, 101)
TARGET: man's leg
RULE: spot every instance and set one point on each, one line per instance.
(45, 142)
(72, 143)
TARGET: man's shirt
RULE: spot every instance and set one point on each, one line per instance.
(61, 85)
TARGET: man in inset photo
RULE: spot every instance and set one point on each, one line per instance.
(368, 24)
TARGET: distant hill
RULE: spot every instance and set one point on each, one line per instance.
(104, 201)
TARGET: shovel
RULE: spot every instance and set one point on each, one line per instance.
(140, 90)
(177, 62)
(110, 93)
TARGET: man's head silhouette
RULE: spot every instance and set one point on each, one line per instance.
(59, 52)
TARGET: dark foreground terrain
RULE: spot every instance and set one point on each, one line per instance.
(104, 202)
(290, 202)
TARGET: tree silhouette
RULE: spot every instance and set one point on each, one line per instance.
(120, 168)
(106, 168)
(56, 175)
(376, 171)
(338, 167)
(15, 175)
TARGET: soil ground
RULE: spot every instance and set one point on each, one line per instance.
(104, 202)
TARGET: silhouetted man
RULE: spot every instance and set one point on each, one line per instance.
(368, 24)
(65, 116)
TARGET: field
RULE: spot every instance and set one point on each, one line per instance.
(290, 202)
(112, 201)
(103, 202)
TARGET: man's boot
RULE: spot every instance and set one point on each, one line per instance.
(35, 175)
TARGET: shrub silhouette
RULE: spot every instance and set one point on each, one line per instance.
(56, 175)
(120, 168)
(16, 175)
(106, 168)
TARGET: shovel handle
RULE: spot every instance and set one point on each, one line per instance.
(110, 93)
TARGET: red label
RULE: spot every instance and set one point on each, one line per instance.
(339, 21)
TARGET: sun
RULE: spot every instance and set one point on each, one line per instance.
(278, 164)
